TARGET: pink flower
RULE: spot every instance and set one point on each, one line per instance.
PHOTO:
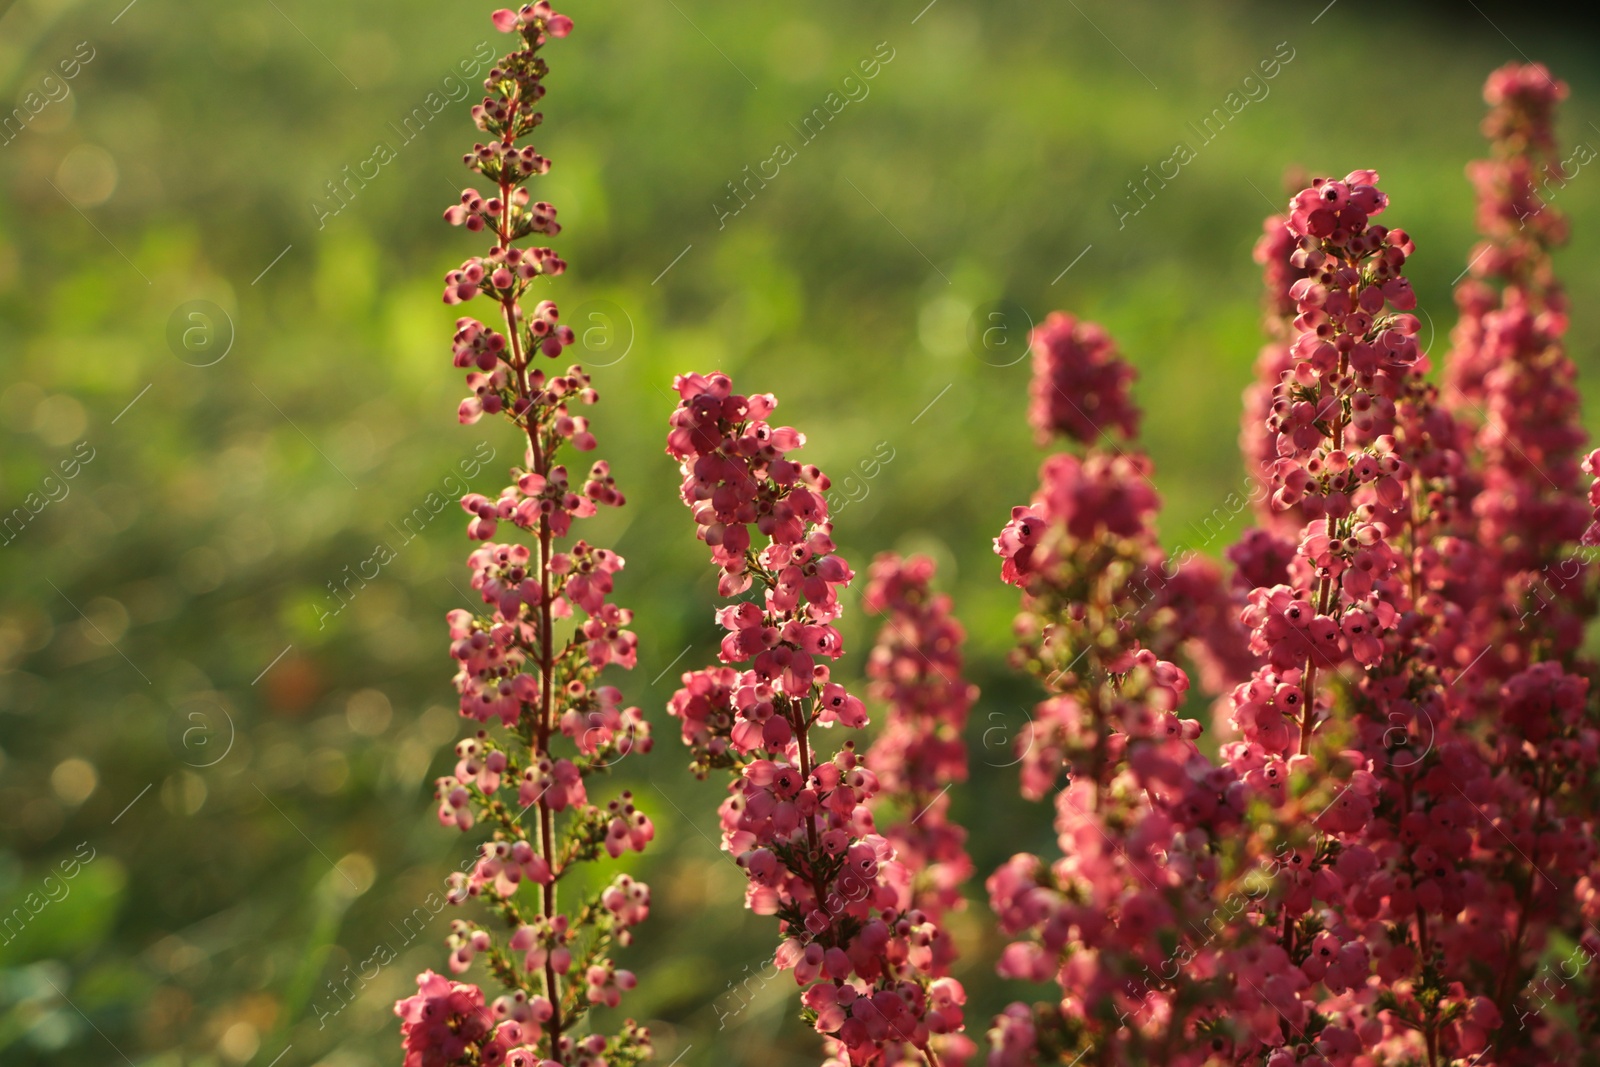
(443, 1021)
(1080, 384)
(842, 920)
(916, 670)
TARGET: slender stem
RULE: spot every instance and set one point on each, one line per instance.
(1413, 521)
(1099, 618)
(547, 658)
(1324, 595)
(1429, 1025)
(1308, 676)
(1308, 700)
(1288, 947)
(1504, 996)
(546, 816)
(804, 744)
(801, 726)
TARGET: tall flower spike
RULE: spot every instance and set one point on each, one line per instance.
(1510, 376)
(1530, 694)
(1091, 524)
(915, 671)
(529, 662)
(800, 827)
(1363, 453)
(1393, 873)
(1332, 421)
(1144, 813)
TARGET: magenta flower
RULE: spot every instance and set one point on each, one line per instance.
(916, 672)
(800, 826)
(1080, 385)
(446, 1022)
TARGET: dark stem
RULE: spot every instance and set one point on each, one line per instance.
(547, 660)
(1507, 987)
(798, 721)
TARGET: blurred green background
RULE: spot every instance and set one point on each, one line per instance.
(215, 795)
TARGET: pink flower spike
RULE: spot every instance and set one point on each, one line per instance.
(542, 718)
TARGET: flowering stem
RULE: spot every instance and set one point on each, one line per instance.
(801, 728)
(1325, 592)
(546, 667)
(1308, 690)
(546, 816)
(861, 957)
(1504, 996)
(509, 657)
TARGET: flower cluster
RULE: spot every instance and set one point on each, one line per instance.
(1080, 385)
(916, 674)
(1097, 585)
(1139, 824)
(1522, 99)
(1509, 376)
(444, 1021)
(801, 827)
(1370, 464)
(1375, 863)
(1401, 814)
(1142, 810)
(528, 662)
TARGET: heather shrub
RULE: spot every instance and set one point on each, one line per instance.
(1377, 846)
